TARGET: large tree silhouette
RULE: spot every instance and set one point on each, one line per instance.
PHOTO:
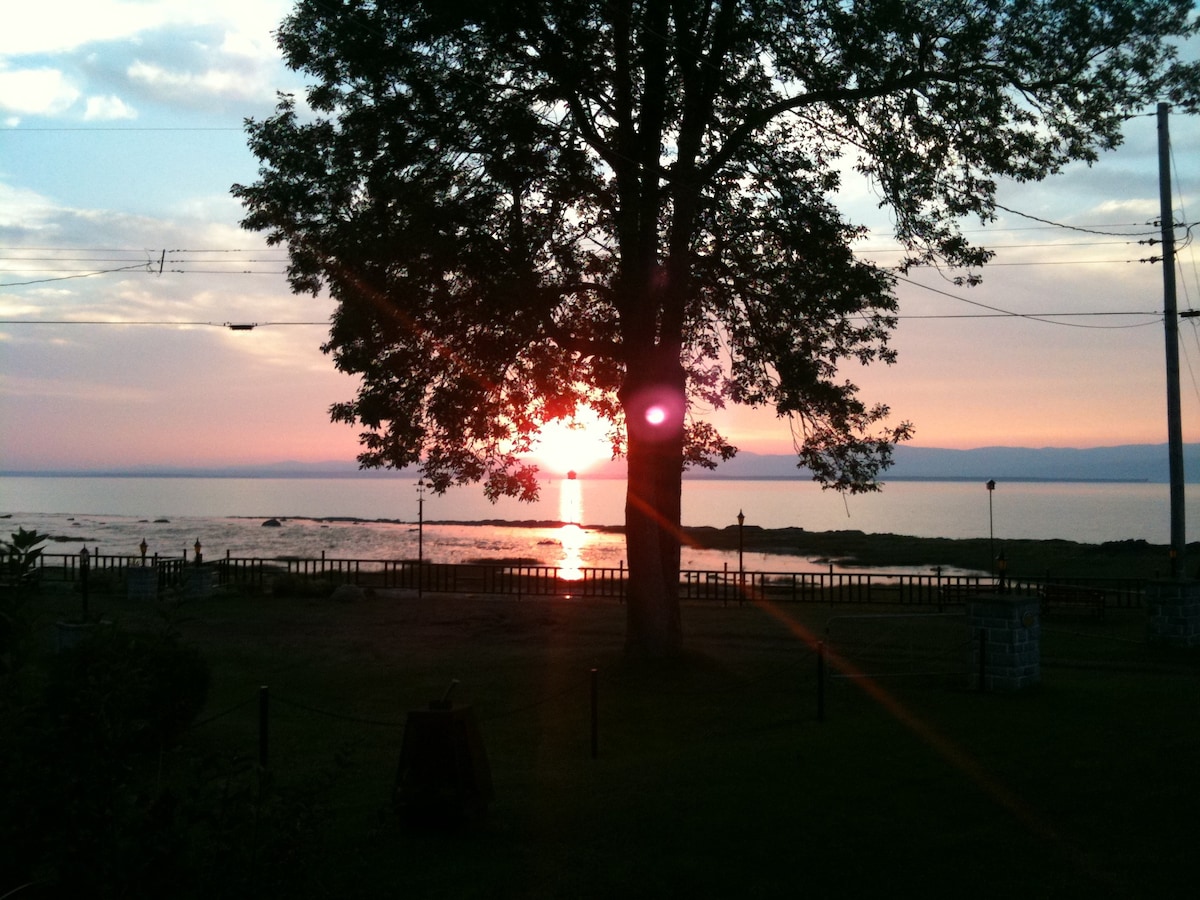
(630, 205)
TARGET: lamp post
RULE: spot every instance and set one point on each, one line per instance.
(741, 517)
(991, 487)
(420, 534)
(84, 565)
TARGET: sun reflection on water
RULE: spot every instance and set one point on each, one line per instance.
(571, 536)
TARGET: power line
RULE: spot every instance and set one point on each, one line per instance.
(164, 323)
(135, 128)
(142, 250)
(1052, 246)
(998, 312)
(1044, 318)
(1080, 228)
(145, 266)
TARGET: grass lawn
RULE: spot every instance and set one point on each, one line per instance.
(714, 776)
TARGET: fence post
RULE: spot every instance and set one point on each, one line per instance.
(264, 694)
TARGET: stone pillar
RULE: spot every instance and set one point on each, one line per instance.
(1173, 613)
(1006, 642)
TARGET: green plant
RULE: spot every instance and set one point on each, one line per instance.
(87, 808)
(126, 692)
(253, 833)
(293, 584)
(22, 556)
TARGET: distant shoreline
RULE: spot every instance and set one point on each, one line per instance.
(1119, 464)
(314, 476)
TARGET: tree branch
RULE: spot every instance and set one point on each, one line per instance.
(755, 122)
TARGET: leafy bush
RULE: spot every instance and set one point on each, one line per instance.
(293, 584)
(84, 809)
(127, 692)
(252, 835)
(22, 554)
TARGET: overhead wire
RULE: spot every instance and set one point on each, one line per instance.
(370, 27)
(131, 128)
(1182, 280)
(174, 323)
(999, 312)
(86, 274)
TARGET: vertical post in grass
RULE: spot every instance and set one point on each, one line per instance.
(820, 681)
(264, 694)
(595, 686)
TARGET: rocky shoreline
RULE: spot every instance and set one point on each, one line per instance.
(1113, 559)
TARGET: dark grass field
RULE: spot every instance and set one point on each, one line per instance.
(713, 776)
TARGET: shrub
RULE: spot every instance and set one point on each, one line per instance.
(293, 584)
(127, 692)
(21, 556)
(84, 810)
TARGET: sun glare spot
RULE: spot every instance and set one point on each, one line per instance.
(656, 415)
(574, 446)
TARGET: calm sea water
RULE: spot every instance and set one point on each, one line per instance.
(226, 515)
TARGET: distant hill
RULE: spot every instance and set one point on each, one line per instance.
(1133, 462)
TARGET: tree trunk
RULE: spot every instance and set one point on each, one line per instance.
(653, 400)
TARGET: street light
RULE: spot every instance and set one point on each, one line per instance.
(420, 534)
(741, 546)
(84, 566)
(991, 487)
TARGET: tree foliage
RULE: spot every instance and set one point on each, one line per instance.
(521, 208)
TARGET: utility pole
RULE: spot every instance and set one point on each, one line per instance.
(1171, 323)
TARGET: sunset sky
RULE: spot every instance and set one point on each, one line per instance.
(121, 133)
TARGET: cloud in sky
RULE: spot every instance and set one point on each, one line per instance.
(123, 133)
(66, 25)
(42, 91)
(107, 109)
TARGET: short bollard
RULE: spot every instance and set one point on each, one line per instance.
(443, 778)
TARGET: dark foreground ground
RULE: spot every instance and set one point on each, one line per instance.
(711, 777)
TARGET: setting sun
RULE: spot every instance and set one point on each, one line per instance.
(573, 446)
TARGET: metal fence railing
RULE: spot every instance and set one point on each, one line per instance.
(725, 586)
